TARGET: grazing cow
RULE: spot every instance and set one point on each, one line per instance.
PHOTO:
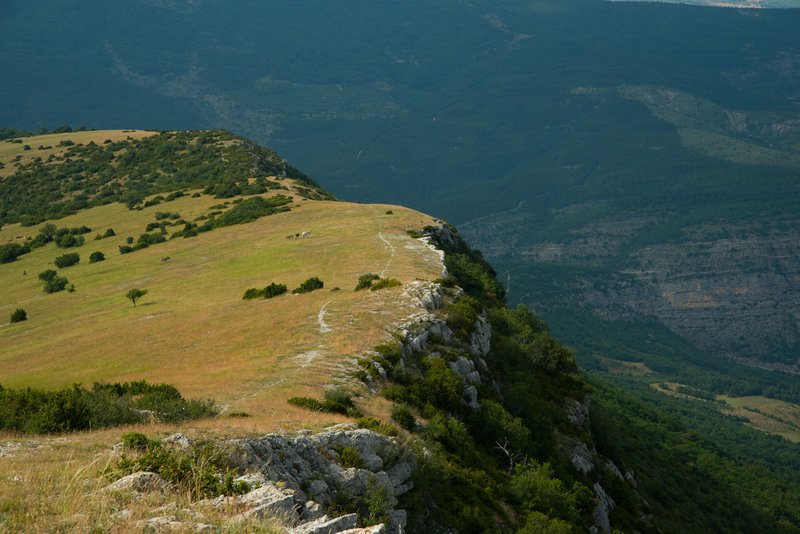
(165, 259)
(290, 236)
(296, 236)
(306, 234)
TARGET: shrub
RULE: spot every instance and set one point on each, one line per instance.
(462, 314)
(34, 411)
(19, 315)
(109, 233)
(273, 290)
(392, 352)
(11, 251)
(96, 256)
(52, 282)
(307, 402)
(67, 260)
(384, 283)
(252, 209)
(136, 441)
(69, 240)
(202, 471)
(309, 285)
(370, 423)
(365, 280)
(252, 294)
(350, 457)
(46, 276)
(402, 415)
(336, 400)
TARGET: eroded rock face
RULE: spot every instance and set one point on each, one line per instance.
(308, 471)
(604, 505)
(428, 295)
(481, 337)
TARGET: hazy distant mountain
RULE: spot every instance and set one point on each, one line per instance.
(749, 4)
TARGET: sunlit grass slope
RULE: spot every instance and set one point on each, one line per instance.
(193, 329)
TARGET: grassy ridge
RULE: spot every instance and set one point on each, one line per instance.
(192, 329)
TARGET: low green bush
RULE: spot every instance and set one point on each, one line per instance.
(376, 425)
(462, 314)
(135, 441)
(96, 256)
(365, 281)
(202, 471)
(336, 400)
(35, 411)
(309, 285)
(273, 290)
(19, 315)
(11, 251)
(401, 414)
(384, 283)
(350, 457)
(253, 293)
(67, 260)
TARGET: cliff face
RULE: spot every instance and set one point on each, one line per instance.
(730, 289)
(734, 297)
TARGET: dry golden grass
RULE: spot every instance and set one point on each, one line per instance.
(192, 330)
(55, 485)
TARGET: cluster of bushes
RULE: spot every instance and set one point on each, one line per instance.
(144, 241)
(108, 233)
(253, 208)
(70, 237)
(365, 281)
(54, 283)
(272, 290)
(63, 238)
(11, 251)
(36, 411)
(375, 282)
(170, 162)
(193, 229)
(67, 260)
(312, 284)
(336, 400)
(201, 471)
(158, 199)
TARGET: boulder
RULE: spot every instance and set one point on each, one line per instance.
(324, 525)
(140, 482)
